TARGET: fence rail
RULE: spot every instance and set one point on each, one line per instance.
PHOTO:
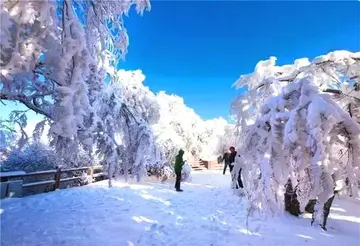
(12, 183)
(22, 175)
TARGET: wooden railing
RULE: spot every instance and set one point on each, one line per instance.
(16, 180)
(203, 164)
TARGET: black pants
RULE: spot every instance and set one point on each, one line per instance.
(230, 166)
(178, 180)
(239, 181)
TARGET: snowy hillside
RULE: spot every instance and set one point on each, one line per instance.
(206, 213)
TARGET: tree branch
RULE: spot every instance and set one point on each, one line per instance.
(339, 92)
(349, 110)
(27, 103)
(334, 91)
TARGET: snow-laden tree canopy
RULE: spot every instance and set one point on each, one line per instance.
(180, 127)
(8, 136)
(7, 139)
(125, 139)
(218, 135)
(138, 96)
(53, 51)
(300, 121)
(33, 157)
(55, 58)
(173, 124)
(177, 127)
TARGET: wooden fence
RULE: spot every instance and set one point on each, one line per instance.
(12, 184)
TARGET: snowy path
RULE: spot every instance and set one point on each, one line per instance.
(205, 214)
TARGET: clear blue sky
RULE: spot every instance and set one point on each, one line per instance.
(197, 49)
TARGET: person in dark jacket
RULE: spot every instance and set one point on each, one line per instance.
(229, 159)
(226, 160)
(232, 157)
(179, 162)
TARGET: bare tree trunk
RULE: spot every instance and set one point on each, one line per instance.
(292, 204)
(326, 210)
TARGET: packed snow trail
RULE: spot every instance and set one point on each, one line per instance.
(206, 213)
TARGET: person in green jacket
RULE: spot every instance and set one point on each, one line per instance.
(179, 162)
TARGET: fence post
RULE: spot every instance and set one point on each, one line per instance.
(15, 188)
(57, 178)
(90, 174)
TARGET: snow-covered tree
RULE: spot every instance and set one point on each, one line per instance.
(138, 96)
(179, 127)
(141, 109)
(220, 135)
(34, 157)
(55, 58)
(9, 128)
(7, 140)
(124, 137)
(49, 50)
(300, 122)
(227, 140)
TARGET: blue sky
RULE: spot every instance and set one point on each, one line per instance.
(197, 49)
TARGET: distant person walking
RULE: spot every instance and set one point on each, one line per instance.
(229, 159)
(179, 162)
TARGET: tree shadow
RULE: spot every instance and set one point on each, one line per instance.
(152, 215)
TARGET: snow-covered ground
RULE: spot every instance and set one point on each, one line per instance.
(206, 213)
